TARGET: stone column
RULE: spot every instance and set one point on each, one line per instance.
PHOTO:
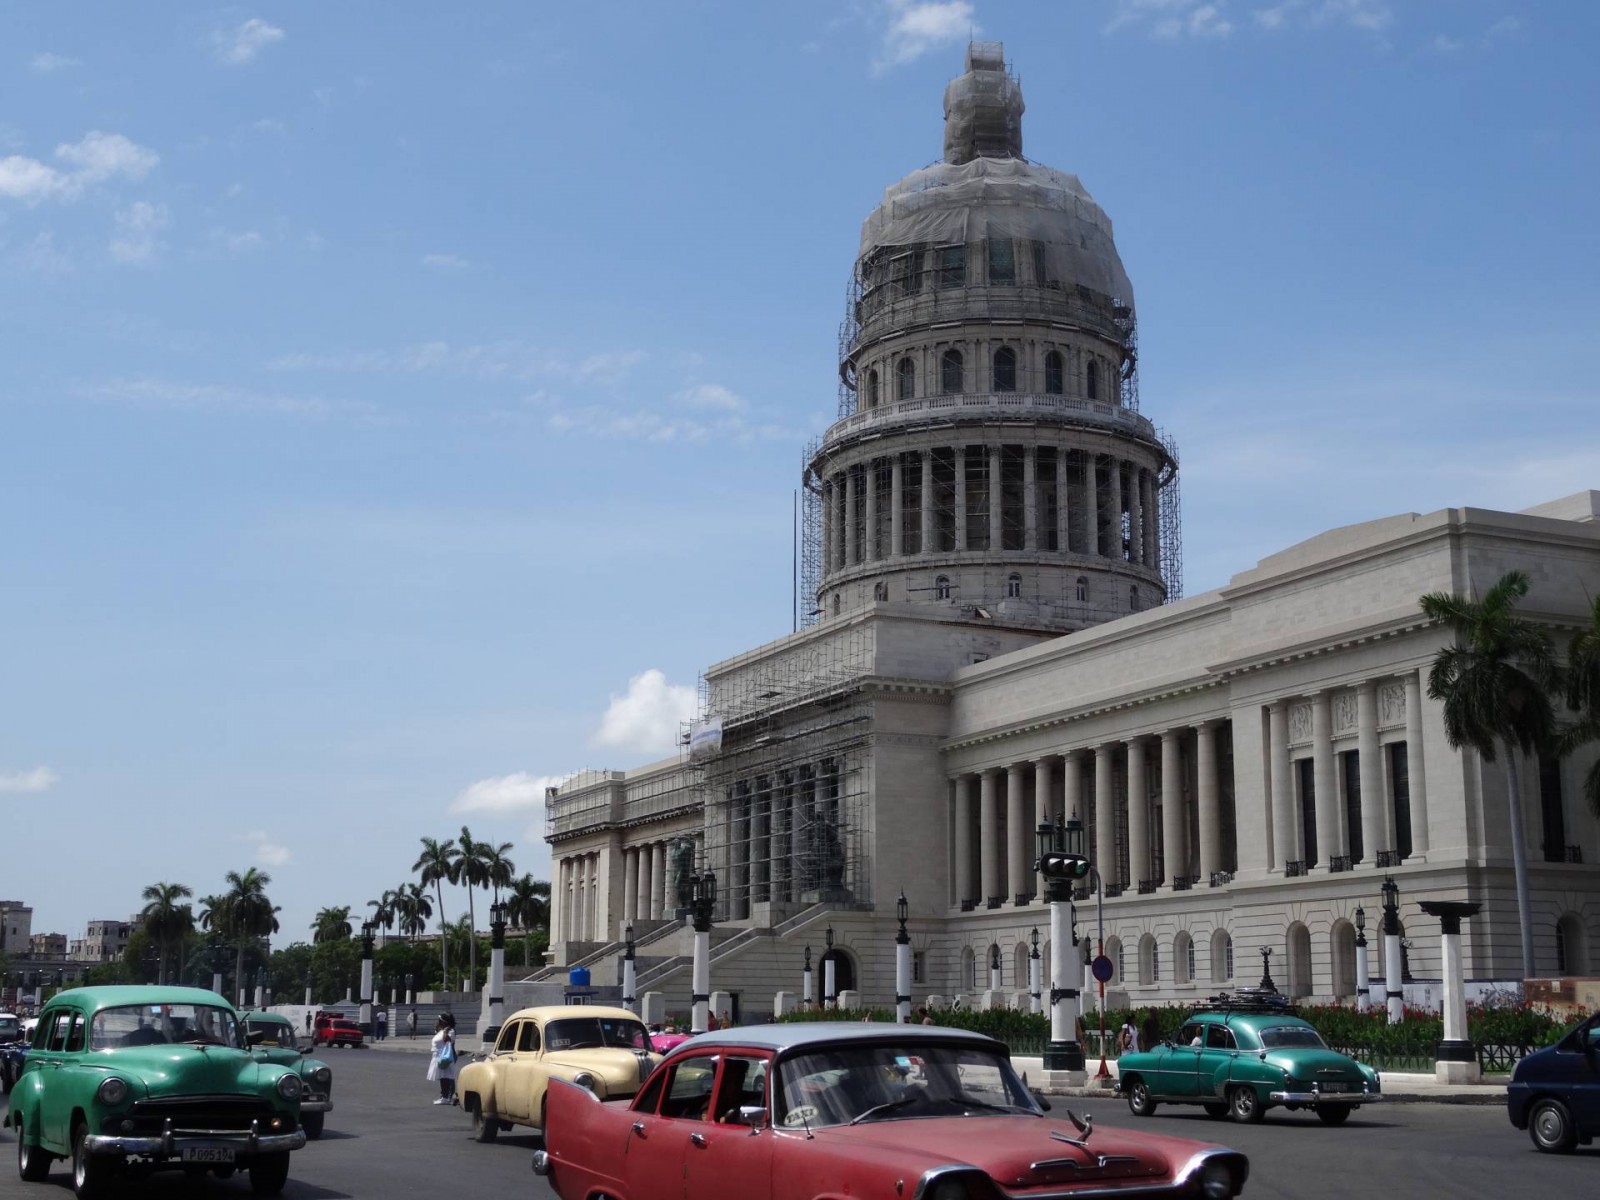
(739, 853)
(996, 515)
(828, 525)
(1135, 514)
(927, 502)
(1152, 516)
(1209, 794)
(658, 893)
(1457, 1057)
(1043, 810)
(1105, 819)
(1416, 775)
(989, 835)
(1091, 503)
(1114, 503)
(897, 500)
(1138, 815)
(560, 906)
(630, 884)
(1018, 881)
(580, 907)
(963, 839)
(961, 497)
(1063, 503)
(761, 844)
(869, 480)
(1284, 846)
(852, 506)
(1330, 829)
(1174, 820)
(598, 907)
(1030, 498)
(1374, 829)
(647, 863)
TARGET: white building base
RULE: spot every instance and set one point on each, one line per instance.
(1457, 1072)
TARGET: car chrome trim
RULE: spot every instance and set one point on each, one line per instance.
(322, 1105)
(1180, 1179)
(1324, 1097)
(541, 1162)
(167, 1145)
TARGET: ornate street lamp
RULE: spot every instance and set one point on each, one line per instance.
(1393, 977)
(1363, 964)
(365, 996)
(629, 979)
(805, 980)
(994, 967)
(1063, 861)
(702, 902)
(830, 997)
(902, 962)
(1266, 984)
(497, 961)
(1035, 1004)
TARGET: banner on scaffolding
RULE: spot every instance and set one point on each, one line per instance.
(705, 738)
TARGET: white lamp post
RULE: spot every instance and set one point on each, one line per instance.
(1035, 1000)
(1363, 966)
(1062, 862)
(629, 977)
(1392, 974)
(902, 964)
(805, 980)
(830, 994)
(702, 900)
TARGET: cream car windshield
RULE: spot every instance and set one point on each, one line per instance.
(589, 1033)
(847, 1084)
(162, 1024)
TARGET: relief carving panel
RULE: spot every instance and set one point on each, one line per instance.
(1299, 723)
(1391, 703)
(1344, 713)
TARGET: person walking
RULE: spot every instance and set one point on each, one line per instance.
(411, 1023)
(381, 1022)
(442, 1059)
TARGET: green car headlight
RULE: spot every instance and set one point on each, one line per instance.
(113, 1091)
(289, 1085)
(323, 1075)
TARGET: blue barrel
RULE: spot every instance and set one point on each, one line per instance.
(578, 977)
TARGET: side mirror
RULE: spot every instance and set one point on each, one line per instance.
(305, 1050)
(753, 1115)
(1038, 1098)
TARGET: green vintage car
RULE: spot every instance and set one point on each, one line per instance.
(1240, 1055)
(273, 1033)
(127, 1080)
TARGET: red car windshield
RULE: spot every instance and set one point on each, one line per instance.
(846, 1084)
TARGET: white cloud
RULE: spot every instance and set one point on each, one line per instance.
(242, 243)
(40, 779)
(647, 717)
(916, 28)
(1368, 16)
(268, 852)
(445, 262)
(47, 62)
(1443, 43)
(96, 158)
(41, 256)
(1173, 18)
(238, 46)
(137, 240)
(162, 395)
(498, 795)
(1504, 27)
(509, 360)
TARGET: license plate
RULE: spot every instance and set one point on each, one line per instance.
(208, 1154)
(1338, 1087)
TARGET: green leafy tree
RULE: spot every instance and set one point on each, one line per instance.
(412, 909)
(250, 915)
(499, 870)
(1494, 682)
(438, 864)
(165, 919)
(528, 909)
(383, 910)
(331, 924)
(473, 866)
(1583, 697)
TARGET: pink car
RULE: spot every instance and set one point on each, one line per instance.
(662, 1042)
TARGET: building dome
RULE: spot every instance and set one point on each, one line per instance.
(990, 457)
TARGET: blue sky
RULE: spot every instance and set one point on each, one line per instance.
(402, 403)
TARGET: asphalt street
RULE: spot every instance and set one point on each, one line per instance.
(385, 1139)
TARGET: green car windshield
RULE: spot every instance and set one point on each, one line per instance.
(10, 1028)
(1282, 1037)
(586, 1033)
(161, 1024)
(271, 1033)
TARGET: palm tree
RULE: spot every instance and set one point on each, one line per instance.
(472, 867)
(439, 863)
(1494, 682)
(164, 918)
(501, 870)
(528, 907)
(331, 925)
(250, 914)
(412, 908)
(1583, 697)
(383, 909)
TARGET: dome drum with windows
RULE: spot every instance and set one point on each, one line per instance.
(989, 454)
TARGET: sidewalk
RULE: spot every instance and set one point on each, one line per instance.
(1398, 1087)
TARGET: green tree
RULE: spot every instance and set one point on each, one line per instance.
(438, 864)
(528, 909)
(331, 924)
(250, 915)
(480, 865)
(165, 919)
(499, 867)
(1583, 697)
(1494, 682)
(383, 909)
(412, 909)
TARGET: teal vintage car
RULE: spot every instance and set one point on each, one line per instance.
(1240, 1055)
(274, 1034)
(127, 1080)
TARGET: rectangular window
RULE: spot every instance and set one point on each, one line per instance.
(919, 966)
(1351, 761)
(1305, 769)
(1041, 264)
(952, 266)
(1554, 819)
(1400, 788)
(1002, 261)
(908, 273)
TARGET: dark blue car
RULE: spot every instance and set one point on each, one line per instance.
(1555, 1092)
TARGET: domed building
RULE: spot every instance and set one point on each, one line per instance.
(994, 637)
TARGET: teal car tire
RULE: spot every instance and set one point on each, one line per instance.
(1244, 1106)
(88, 1171)
(269, 1173)
(1216, 1110)
(33, 1164)
(312, 1123)
(1140, 1102)
(1334, 1114)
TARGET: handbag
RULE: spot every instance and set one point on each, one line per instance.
(447, 1054)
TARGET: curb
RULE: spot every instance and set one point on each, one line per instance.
(1485, 1099)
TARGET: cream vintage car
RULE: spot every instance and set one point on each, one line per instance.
(606, 1050)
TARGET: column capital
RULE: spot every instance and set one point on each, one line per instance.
(1171, 735)
(1279, 705)
(1207, 725)
(1368, 687)
(1072, 755)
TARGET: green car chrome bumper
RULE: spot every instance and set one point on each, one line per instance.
(1324, 1097)
(170, 1145)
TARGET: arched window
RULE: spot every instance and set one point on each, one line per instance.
(836, 604)
(969, 970)
(1133, 598)
(880, 591)
(1014, 586)
(1149, 961)
(1299, 970)
(1221, 956)
(1572, 948)
(1082, 589)
(941, 588)
(905, 379)
(951, 373)
(1183, 958)
(872, 388)
(1019, 966)
(1055, 375)
(1092, 380)
(1342, 956)
(1005, 369)
(1114, 953)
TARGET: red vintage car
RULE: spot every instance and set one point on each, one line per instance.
(332, 1030)
(806, 1110)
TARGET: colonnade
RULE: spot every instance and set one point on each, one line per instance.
(1068, 501)
(576, 891)
(782, 835)
(644, 882)
(994, 841)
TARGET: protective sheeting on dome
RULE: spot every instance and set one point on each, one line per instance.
(950, 204)
(983, 108)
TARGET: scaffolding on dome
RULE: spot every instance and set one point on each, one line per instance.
(787, 818)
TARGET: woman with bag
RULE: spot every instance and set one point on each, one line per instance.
(442, 1063)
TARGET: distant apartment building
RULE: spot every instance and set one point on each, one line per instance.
(48, 945)
(16, 926)
(104, 942)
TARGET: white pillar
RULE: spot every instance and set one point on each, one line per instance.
(1135, 514)
(1114, 498)
(1392, 977)
(1063, 504)
(1035, 997)
(1415, 772)
(1138, 816)
(1363, 975)
(926, 496)
(497, 984)
(1174, 821)
(1105, 817)
(216, 985)
(1374, 804)
(308, 995)
(1205, 741)
(989, 836)
(1018, 835)
(1043, 811)
(852, 505)
(1030, 499)
(1330, 841)
(961, 497)
(995, 982)
(963, 839)
(630, 982)
(869, 541)
(1063, 966)
(647, 880)
(1284, 847)
(902, 981)
(830, 994)
(897, 502)
(630, 886)
(805, 986)
(996, 523)
(700, 1011)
